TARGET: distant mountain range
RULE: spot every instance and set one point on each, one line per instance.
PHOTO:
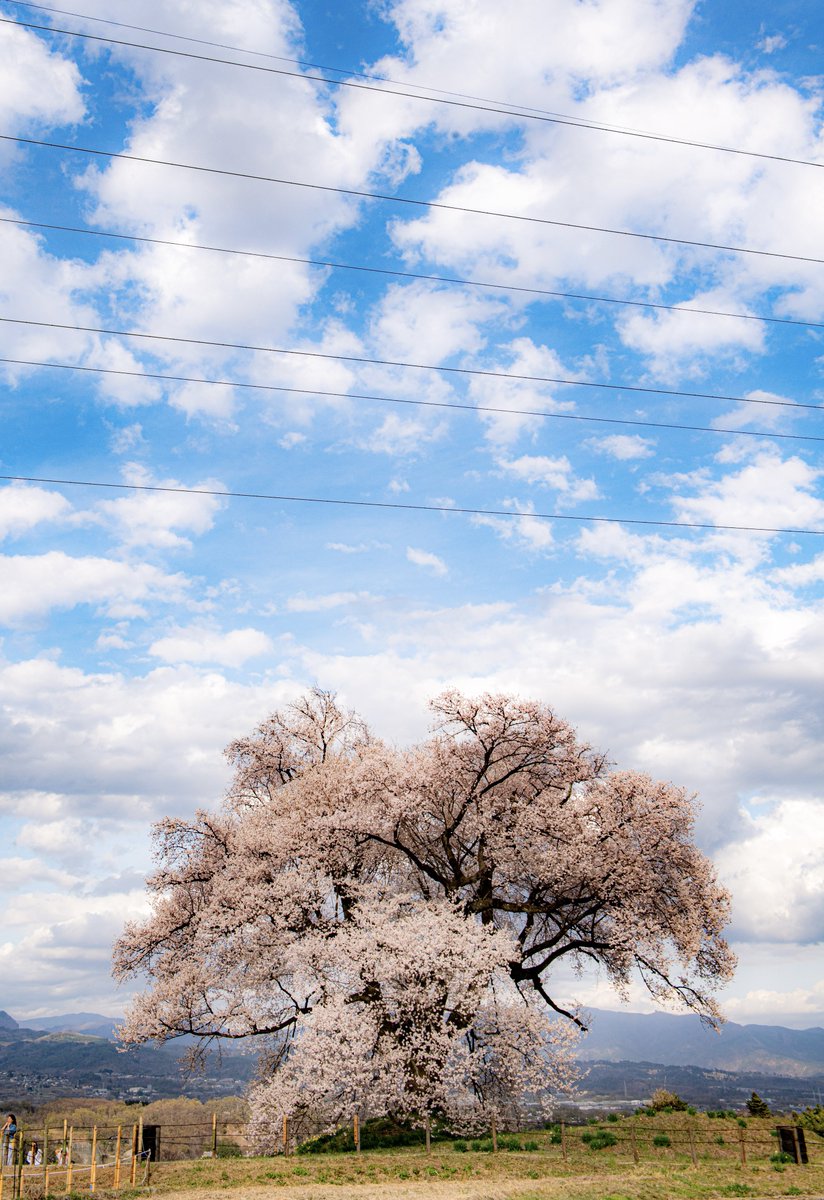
(76, 1055)
(684, 1041)
(627, 1055)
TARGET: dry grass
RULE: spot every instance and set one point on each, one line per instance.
(608, 1174)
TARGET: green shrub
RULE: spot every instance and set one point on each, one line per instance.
(812, 1118)
(460, 1147)
(228, 1150)
(757, 1107)
(374, 1134)
(484, 1145)
(602, 1139)
(742, 1123)
(613, 1117)
(664, 1101)
(531, 1144)
(781, 1156)
(719, 1141)
(692, 1112)
(661, 1139)
(509, 1142)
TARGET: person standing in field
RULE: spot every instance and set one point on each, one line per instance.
(9, 1132)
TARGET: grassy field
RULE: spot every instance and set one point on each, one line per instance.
(662, 1172)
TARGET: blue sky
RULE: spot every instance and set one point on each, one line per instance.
(142, 630)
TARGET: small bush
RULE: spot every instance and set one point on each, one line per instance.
(812, 1118)
(507, 1142)
(757, 1107)
(555, 1137)
(781, 1156)
(602, 1140)
(228, 1150)
(742, 1123)
(374, 1134)
(460, 1147)
(661, 1139)
(719, 1141)
(613, 1117)
(664, 1101)
(692, 1112)
(531, 1144)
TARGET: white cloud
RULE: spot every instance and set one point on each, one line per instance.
(146, 518)
(22, 507)
(35, 584)
(423, 558)
(768, 491)
(528, 531)
(555, 473)
(309, 604)
(290, 440)
(623, 446)
(199, 645)
(36, 84)
(773, 42)
(401, 436)
(776, 873)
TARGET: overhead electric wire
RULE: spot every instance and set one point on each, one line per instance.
(449, 404)
(454, 102)
(418, 275)
(407, 200)
(393, 504)
(388, 362)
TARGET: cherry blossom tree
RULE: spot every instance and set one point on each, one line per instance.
(388, 921)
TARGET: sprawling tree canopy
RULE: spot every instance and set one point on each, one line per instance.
(389, 920)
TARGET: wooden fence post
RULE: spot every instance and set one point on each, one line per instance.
(356, 1132)
(634, 1144)
(116, 1181)
(69, 1160)
(285, 1135)
(563, 1140)
(93, 1168)
(742, 1142)
(133, 1165)
(428, 1131)
(494, 1134)
(20, 1162)
(214, 1135)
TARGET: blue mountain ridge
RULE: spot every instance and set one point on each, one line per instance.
(614, 1036)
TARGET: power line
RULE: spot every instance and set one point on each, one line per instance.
(388, 362)
(465, 103)
(449, 404)
(452, 279)
(388, 504)
(409, 201)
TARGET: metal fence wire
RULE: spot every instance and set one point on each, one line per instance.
(53, 1160)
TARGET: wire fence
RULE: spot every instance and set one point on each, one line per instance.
(53, 1160)
(50, 1159)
